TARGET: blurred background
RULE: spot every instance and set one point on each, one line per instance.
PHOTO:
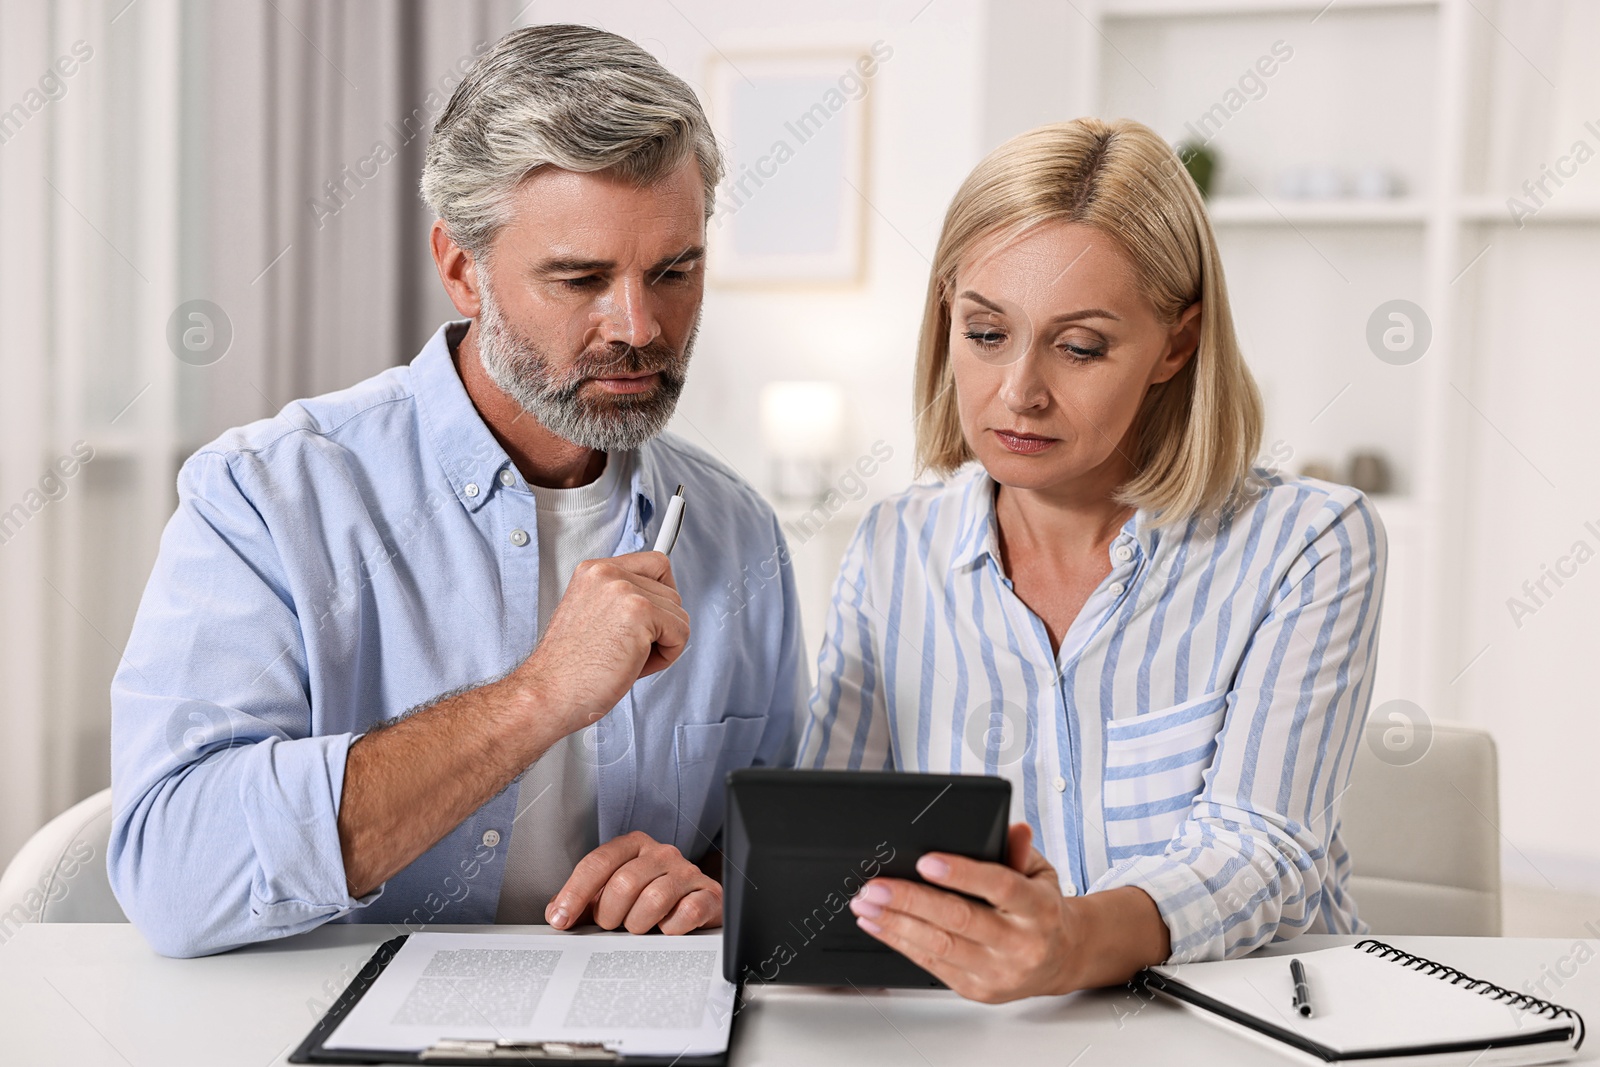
(208, 209)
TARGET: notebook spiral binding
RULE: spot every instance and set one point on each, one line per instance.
(1525, 1001)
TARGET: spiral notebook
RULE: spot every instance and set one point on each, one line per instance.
(1375, 1004)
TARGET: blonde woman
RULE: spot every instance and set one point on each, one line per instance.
(1168, 653)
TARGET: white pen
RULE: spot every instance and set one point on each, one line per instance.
(671, 523)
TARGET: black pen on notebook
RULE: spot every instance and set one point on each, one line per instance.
(671, 523)
(1302, 991)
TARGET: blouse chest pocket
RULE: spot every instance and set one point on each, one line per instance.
(1155, 764)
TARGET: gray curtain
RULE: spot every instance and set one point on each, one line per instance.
(311, 119)
(261, 155)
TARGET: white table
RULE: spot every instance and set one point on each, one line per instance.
(87, 995)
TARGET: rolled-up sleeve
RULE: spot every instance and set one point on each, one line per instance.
(1254, 860)
(225, 814)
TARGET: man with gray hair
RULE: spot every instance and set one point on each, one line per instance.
(403, 657)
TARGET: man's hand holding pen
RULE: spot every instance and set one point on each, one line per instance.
(620, 620)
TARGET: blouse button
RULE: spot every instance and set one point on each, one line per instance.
(506, 477)
(471, 489)
(1124, 553)
(1060, 783)
(519, 537)
(1117, 588)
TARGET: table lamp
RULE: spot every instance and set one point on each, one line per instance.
(801, 426)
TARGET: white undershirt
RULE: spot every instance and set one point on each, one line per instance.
(557, 821)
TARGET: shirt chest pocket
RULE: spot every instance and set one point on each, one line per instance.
(706, 752)
(1154, 767)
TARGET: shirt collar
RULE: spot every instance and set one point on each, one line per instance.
(468, 453)
(977, 532)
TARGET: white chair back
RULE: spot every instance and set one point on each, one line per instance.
(1423, 832)
(59, 876)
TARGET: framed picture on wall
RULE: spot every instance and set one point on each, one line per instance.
(795, 130)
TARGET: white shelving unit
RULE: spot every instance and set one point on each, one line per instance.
(1261, 211)
(1163, 9)
(1412, 246)
(1471, 102)
(1491, 209)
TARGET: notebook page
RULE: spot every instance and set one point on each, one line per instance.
(1362, 1001)
(639, 995)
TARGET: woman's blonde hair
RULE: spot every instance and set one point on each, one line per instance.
(1196, 433)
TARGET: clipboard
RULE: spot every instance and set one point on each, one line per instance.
(472, 1053)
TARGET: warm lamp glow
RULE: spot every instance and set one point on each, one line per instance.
(801, 427)
(801, 420)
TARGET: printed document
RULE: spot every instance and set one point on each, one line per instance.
(639, 995)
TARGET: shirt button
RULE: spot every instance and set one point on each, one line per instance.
(1060, 783)
(519, 537)
(506, 477)
(491, 838)
(471, 489)
(1123, 553)
(1117, 588)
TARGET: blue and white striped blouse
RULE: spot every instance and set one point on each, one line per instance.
(1196, 730)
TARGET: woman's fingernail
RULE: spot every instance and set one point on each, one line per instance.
(863, 907)
(559, 918)
(932, 867)
(868, 925)
(876, 894)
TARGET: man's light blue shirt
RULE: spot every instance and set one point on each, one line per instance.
(361, 555)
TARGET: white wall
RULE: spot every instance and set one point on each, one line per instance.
(1537, 378)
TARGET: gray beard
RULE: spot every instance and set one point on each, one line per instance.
(606, 423)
